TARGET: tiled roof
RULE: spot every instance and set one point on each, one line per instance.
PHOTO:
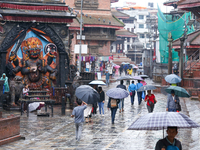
(193, 38)
(125, 33)
(119, 14)
(183, 2)
(101, 20)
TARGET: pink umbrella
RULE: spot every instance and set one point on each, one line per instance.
(117, 67)
(136, 67)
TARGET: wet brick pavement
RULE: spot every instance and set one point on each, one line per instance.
(58, 133)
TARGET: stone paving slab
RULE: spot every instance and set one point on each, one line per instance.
(58, 132)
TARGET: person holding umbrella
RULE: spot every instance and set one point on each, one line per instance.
(169, 141)
(139, 93)
(151, 100)
(115, 94)
(172, 99)
(131, 90)
(113, 105)
(121, 104)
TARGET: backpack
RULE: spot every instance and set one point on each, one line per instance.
(113, 103)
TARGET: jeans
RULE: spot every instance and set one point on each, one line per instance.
(113, 112)
(101, 104)
(171, 110)
(150, 109)
(132, 97)
(107, 82)
(79, 127)
(139, 97)
(121, 104)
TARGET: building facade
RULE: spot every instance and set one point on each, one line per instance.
(99, 27)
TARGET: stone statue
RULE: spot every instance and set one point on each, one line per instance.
(6, 85)
(16, 87)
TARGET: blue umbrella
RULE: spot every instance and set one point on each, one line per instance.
(172, 79)
(117, 93)
(179, 91)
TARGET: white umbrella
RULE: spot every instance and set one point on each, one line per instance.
(33, 106)
(97, 82)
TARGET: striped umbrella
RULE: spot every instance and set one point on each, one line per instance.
(162, 120)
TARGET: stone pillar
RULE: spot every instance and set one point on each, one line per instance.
(181, 58)
(62, 70)
(3, 62)
(170, 53)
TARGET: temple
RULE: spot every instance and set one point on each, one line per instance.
(34, 41)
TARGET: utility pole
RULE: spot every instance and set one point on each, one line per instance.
(80, 58)
(170, 53)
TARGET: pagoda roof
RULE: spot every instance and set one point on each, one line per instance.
(120, 15)
(193, 39)
(170, 2)
(101, 21)
(114, 1)
(125, 33)
(37, 12)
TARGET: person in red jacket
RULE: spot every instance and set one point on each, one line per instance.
(151, 100)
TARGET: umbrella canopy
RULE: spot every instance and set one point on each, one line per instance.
(136, 67)
(117, 93)
(162, 120)
(117, 67)
(144, 76)
(179, 91)
(97, 82)
(137, 78)
(124, 78)
(146, 87)
(87, 94)
(123, 63)
(172, 79)
(33, 106)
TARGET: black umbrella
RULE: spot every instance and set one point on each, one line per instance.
(146, 87)
(87, 94)
(125, 78)
(144, 76)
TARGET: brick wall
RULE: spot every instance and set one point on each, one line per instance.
(104, 4)
(9, 127)
(70, 3)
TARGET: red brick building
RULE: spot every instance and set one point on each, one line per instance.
(99, 27)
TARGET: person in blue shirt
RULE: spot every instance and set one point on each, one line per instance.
(107, 77)
(131, 89)
(139, 85)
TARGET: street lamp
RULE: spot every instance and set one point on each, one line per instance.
(81, 23)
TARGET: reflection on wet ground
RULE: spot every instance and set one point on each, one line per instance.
(58, 133)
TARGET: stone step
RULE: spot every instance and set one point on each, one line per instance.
(195, 98)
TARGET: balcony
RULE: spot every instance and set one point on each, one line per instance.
(100, 37)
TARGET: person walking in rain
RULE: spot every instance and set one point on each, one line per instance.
(171, 102)
(169, 142)
(102, 100)
(151, 100)
(113, 105)
(139, 94)
(131, 90)
(5, 85)
(107, 77)
(78, 113)
(121, 104)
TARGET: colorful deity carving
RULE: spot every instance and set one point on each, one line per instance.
(35, 68)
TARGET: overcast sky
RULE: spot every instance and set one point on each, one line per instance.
(145, 4)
